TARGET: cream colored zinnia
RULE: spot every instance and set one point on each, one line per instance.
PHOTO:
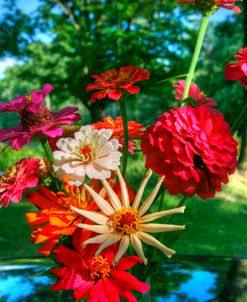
(91, 152)
(127, 223)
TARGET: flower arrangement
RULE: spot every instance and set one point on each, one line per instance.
(89, 219)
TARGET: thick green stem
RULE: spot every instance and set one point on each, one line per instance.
(240, 119)
(47, 150)
(195, 57)
(123, 110)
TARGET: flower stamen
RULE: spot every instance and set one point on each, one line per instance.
(99, 268)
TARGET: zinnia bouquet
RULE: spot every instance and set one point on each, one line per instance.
(89, 219)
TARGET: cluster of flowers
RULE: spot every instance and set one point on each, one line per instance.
(82, 195)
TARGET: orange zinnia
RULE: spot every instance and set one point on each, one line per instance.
(55, 218)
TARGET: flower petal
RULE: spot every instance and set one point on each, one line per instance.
(95, 217)
(124, 190)
(153, 216)
(102, 204)
(137, 245)
(124, 244)
(147, 203)
(112, 195)
(140, 191)
(150, 240)
(157, 227)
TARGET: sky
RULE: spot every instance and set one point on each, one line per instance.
(29, 6)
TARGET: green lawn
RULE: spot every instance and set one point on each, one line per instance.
(214, 226)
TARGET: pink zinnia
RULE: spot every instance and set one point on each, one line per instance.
(35, 118)
(193, 148)
(227, 4)
(96, 278)
(238, 70)
(21, 176)
(195, 92)
(112, 83)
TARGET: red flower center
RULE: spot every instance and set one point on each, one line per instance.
(85, 150)
(37, 119)
(99, 268)
(124, 222)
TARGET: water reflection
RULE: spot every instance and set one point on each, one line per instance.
(180, 281)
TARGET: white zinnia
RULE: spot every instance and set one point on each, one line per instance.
(91, 152)
(127, 223)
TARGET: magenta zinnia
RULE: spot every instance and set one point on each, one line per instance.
(35, 118)
(96, 278)
(17, 178)
(193, 149)
(238, 70)
(112, 83)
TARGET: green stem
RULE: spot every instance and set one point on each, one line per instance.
(162, 198)
(123, 110)
(47, 149)
(195, 57)
(240, 119)
(49, 155)
(180, 204)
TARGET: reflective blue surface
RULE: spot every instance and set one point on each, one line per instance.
(179, 280)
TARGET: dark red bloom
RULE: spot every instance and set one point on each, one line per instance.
(112, 83)
(193, 148)
(238, 70)
(96, 277)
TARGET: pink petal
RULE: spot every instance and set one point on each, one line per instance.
(38, 96)
(14, 106)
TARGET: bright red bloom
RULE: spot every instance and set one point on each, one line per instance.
(23, 175)
(227, 4)
(55, 217)
(35, 118)
(112, 83)
(195, 92)
(238, 71)
(193, 148)
(96, 277)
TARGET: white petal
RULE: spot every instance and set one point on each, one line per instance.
(157, 227)
(153, 216)
(148, 202)
(137, 245)
(112, 195)
(101, 229)
(124, 244)
(111, 240)
(95, 217)
(150, 240)
(139, 193)
(102, 204)
(124, 190)
(97, 239)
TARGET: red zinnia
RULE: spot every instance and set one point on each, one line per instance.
(112, 83)
(206, 4)
(193, 148)
(96, 277)
(195, 92)
(238, 71)
(16, 179)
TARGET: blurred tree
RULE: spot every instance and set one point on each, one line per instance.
(81, 38)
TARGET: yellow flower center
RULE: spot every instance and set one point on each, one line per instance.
(9, 175)
(99, 268)
(124, 222)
